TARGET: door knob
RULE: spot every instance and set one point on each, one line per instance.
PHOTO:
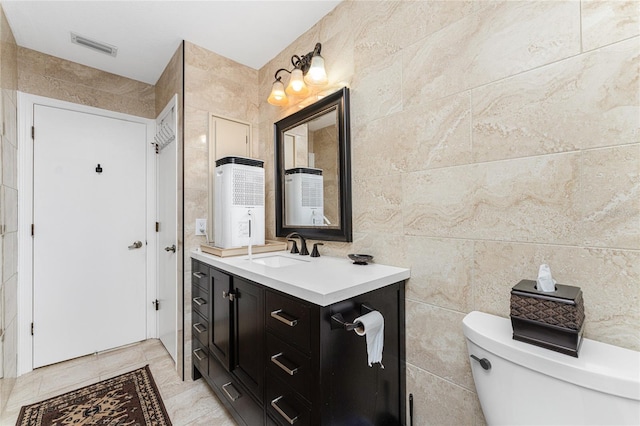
(135, 245)
(172, 248)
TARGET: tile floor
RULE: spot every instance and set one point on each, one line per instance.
(188, 403)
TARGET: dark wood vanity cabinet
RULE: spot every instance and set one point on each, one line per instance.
(221, 304)
(248, 337)
(274, 359)
(227, 343)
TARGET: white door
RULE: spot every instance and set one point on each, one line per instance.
(167, 233)
(89, 243)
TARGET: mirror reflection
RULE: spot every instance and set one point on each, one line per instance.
(313, 175)
(311, 181)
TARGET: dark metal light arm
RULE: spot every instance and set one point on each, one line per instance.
(277, 78)
(304, 62)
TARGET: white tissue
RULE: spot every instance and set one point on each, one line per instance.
(371, 325)
(545, 281)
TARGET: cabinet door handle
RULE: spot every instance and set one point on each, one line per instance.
(275, 359)
(280, 408)
(199, 301)
(230, 294)
(284, 318)
(197, 353)
(199, 275)
(199, 327)
(231, 391)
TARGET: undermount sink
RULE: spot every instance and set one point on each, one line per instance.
(278, 261)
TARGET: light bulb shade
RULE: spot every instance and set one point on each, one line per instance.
(277, 96)
(296, 85)
(316, 76)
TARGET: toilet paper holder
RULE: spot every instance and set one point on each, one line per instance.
(338, 321)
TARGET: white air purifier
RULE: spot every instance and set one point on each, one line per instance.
(304, 197)
(239, 202)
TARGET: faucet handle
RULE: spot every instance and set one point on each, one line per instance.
(315, 252)
(294, 247)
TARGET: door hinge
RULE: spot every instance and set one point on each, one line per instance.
(32, 230)
(157, 226)
(32, 329)
(33, 132)
(157, 304)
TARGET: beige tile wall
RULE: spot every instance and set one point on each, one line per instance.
(56, 78)
(212, 85)
(326, 158)
(8, 209)
(487, 138)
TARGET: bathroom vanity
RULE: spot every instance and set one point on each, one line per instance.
(269, 337)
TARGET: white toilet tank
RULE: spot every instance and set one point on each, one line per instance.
(529, 385)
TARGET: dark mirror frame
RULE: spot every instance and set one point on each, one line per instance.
(339, 100)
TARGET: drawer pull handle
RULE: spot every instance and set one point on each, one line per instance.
(231, 391)
(199, 275)
(281, 410)
(199, 327)
(197, 353)
(199, 301)
(284, 318)
(275, 359)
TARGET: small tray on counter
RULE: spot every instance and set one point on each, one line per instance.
(269, 246)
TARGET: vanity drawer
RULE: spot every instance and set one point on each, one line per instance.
(283, 404)
(235, 395)
(200, 357)
(289, 364)
(200, 301)
(288, 319)
(200, 275)
(200, 329)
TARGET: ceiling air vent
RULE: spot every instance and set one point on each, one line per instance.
(95, 45)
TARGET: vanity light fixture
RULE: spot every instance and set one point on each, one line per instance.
(307, 70)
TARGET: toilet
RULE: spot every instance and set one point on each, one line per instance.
(522, 384)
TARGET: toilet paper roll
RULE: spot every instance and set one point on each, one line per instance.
(371, 326)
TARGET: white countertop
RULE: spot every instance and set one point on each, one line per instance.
(321, 280)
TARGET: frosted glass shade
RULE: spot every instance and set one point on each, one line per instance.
(316, 76)
(278, 97)
(296, 85)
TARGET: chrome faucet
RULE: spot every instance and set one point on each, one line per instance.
(303, 243)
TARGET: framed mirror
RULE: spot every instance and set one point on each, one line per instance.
(313, 170)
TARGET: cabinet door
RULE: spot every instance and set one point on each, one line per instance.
(248, 363)
(220, 319)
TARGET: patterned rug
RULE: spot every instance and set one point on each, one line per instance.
(131, 399)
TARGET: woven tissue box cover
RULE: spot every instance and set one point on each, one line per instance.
(552, 320)
(548, 311)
